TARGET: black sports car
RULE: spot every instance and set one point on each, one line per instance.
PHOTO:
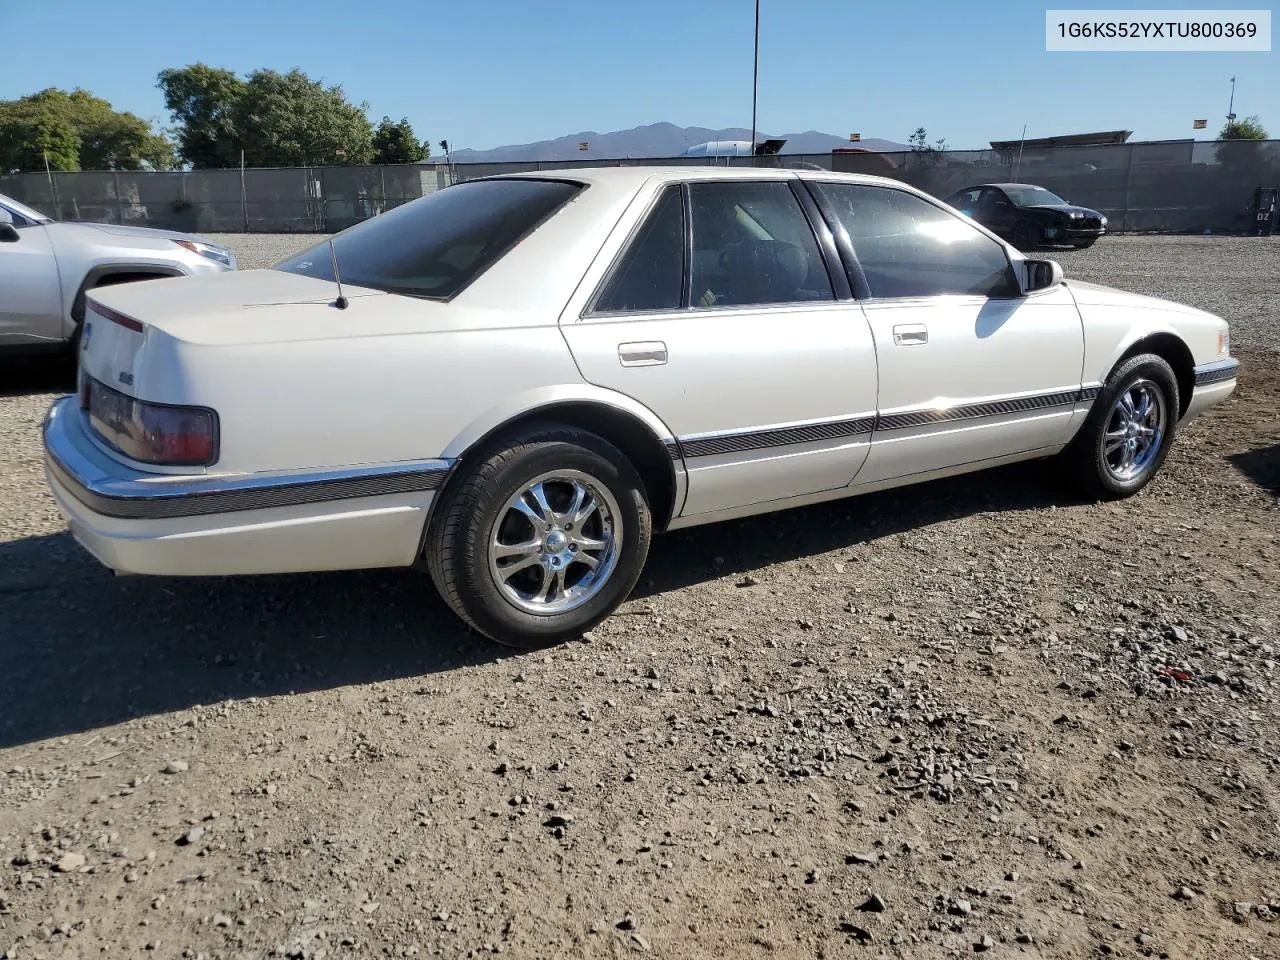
(1029, 216)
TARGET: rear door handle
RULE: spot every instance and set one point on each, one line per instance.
(643, 353)
(906, 334)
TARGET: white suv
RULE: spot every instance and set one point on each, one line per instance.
(46, 267)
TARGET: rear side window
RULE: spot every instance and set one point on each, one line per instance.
(650, 275)
(752, 244)
(908, 247)
(435, 246)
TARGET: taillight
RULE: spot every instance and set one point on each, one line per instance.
(158, 433)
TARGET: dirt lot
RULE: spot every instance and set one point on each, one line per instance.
(971, 716)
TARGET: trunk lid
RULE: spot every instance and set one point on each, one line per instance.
(132, 327)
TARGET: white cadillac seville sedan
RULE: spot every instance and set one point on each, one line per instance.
(519, 379)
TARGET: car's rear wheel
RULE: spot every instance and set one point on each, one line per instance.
(1026, 235)
(1126, 438)
(541, 537)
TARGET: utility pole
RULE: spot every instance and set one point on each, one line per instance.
(1018, 166)
(1231, 104)
(755, 80)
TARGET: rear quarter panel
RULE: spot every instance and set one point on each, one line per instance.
(360, 400)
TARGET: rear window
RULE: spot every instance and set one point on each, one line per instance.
(435, 246)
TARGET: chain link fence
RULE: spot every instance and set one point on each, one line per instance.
(1178, 186)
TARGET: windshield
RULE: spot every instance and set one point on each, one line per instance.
(436, 245)
(22, 210)
(1033, 197)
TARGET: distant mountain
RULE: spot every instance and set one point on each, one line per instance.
(657, 140)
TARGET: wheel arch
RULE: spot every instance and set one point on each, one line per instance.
(116, 273)
(624, 422)
(1174, 351)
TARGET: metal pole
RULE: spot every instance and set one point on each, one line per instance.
(244, 199)
(53, 191)
(1128, 184)
(755, 80)
(1018, 165)
(1231, 104)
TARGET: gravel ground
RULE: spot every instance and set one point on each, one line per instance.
(974, 716)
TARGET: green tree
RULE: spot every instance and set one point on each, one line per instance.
(31, 136)
(920, 142)
(1245, 160)
(397, 143)
(203, 101)
(1250, 128)
(290, 120)
(74, 131)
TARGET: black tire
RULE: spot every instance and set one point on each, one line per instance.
(1026, 235)
(476, 502)
(1093, 464)
(1085, 245)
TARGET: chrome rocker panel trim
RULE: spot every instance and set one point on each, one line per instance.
(140, 496)
(709, 445)
(868, 425)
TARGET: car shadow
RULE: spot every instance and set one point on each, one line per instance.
(1262, 466)
(24, 375)
(83, 648)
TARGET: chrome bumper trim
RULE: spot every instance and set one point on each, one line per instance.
(1217, 371)
(114, 490)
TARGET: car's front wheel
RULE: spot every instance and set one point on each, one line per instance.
(1126, 438)
(1026, 235)
(540, 538)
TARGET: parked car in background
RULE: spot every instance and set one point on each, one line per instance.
(519, 379)
(1029, 216)
(47, 267)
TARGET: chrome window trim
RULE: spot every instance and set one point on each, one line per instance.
(790, 306)
(141, 496)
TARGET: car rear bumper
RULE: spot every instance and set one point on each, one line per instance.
(136, 522)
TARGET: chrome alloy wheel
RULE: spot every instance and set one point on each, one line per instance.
(555, 543)
(1135, 430)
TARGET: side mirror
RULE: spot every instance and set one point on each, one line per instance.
(1040, 275)
(8, 232)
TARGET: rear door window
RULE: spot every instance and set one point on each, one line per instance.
(650, 275)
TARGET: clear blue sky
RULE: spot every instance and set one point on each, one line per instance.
(483, 74)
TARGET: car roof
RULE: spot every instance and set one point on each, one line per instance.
(624, 178)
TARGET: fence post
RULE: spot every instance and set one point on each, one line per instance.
(382, 186)
(119, 203)
(1128, 181)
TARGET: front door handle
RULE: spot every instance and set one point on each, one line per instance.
(643, 353)
(906, 334)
